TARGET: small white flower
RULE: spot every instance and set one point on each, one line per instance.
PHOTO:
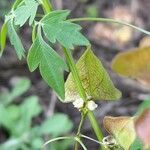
(78, 103)
(91, 105)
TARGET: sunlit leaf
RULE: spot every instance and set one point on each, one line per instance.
(15, 40)
(122, 128)
(134, 63)
(142, 126)
(94, 78)
(56, 27)
(51, 65)
(3, 37)
(25, 12)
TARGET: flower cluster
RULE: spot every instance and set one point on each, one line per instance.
(79, 103)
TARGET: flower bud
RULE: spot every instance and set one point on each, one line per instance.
(91, 105)
(78, 103)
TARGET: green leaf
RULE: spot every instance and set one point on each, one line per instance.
(137, 145)
(57, 125)
(51, 65)
(143, 106)
(28, 109)
(13, 144)
(3, 112)
(20, 88)
(8, 116)
(14, 39)
(16, 4)
(3, 37)
(56, 27)
(37, 143)
(32, 105)
(13, 112)
(25, 12)
(94, 78)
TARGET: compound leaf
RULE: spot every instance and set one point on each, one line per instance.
(14, 39)
(29, 109)
(53, 127)
(25, 12)
(56, 27)
(51, 65)
(94, 78)
(122, 128)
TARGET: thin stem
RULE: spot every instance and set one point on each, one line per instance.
(101, 143)
(17, 2)
(75, 73)
(81, 123)
(82, 93)
(80, 142)
(33, 33)
(95, 126)
(47, 6)
(89, 138)
(57, 139)
(79, 129)
(109, 20)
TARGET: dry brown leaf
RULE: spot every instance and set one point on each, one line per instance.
(134, 63)
(122, 128)
(145, 42)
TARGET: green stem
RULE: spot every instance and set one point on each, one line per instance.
(57, 139)
(80, 124)
(91, 139)
(79, 129)
(82, 93)
(33, 33)
(47, 6)
(80, 142)
(17, 2)
(75, 74)
(74, 71)
(95, 125)
(110, 21)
